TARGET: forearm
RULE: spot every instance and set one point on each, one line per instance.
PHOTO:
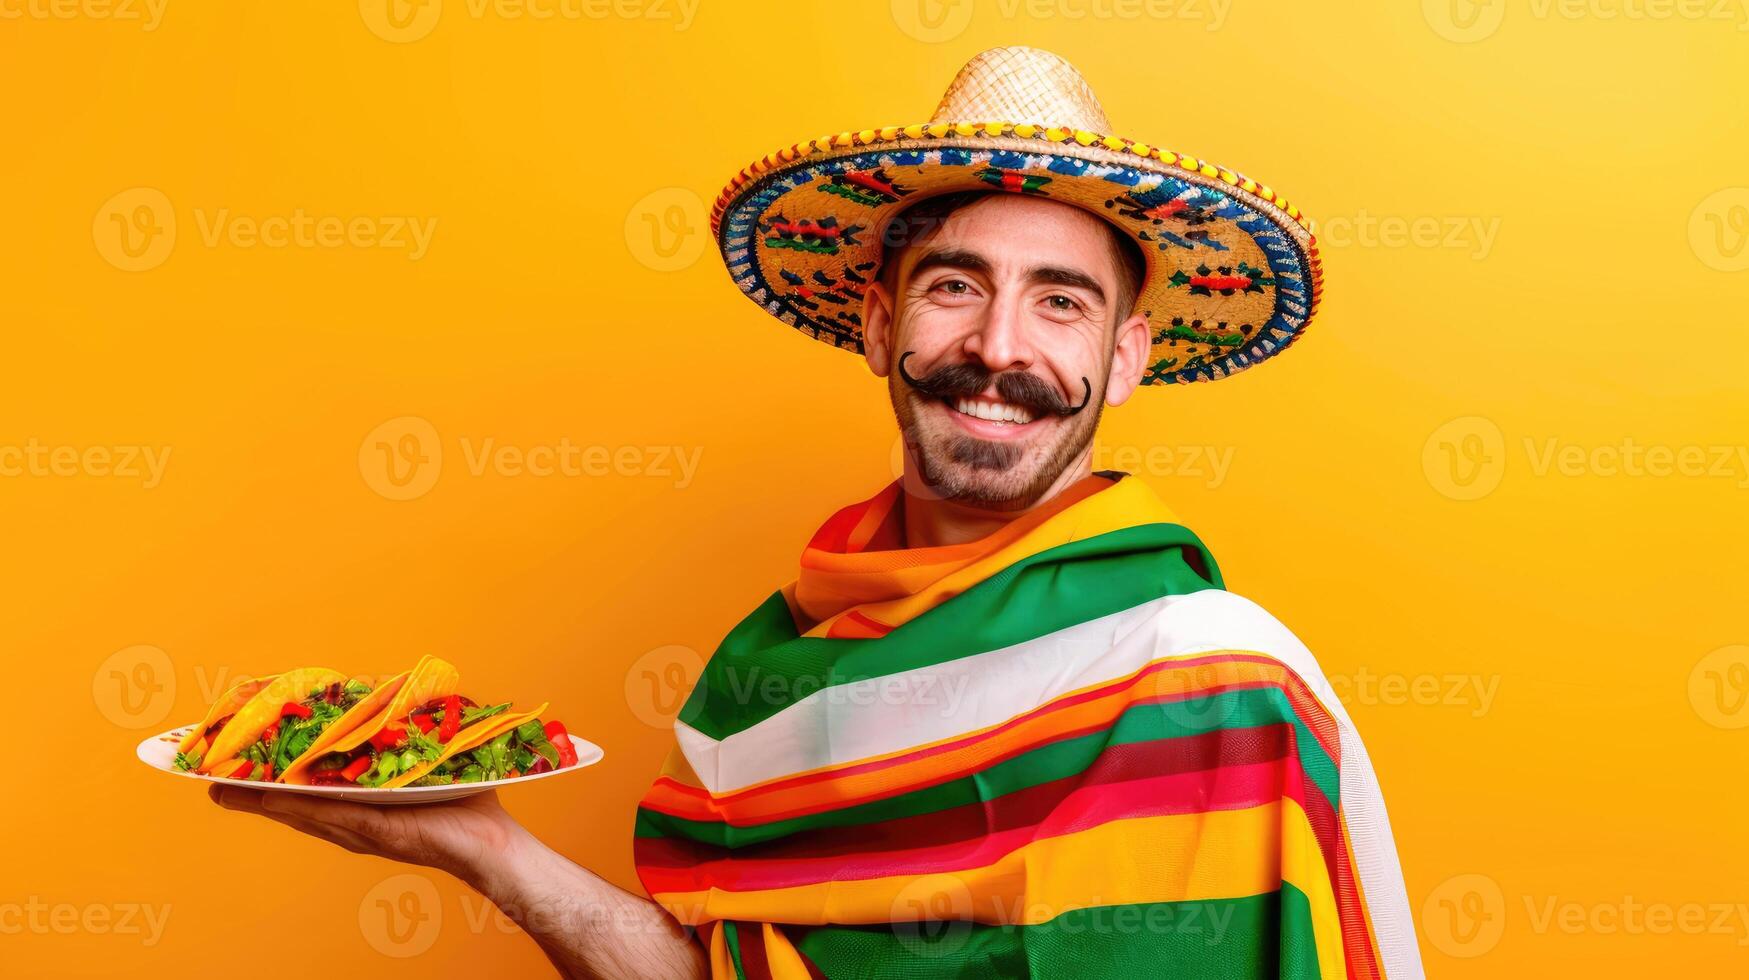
(589, 928)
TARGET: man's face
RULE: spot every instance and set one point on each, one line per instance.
(1002, 315)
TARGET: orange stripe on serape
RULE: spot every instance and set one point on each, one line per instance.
(854, 625)
(897, 585)
(1074, 714)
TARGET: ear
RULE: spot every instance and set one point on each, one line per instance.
(877, 328)
(1129, 358)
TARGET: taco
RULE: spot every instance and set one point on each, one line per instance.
(194, 745)
(279, 723)
(498, 747)
(447, 738)
(428, 687)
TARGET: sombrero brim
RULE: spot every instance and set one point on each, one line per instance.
(1232, 270)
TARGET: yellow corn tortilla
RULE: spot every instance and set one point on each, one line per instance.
(263, 710)
(471, 737)
(228, 703)
(431, 678)
(366, 713)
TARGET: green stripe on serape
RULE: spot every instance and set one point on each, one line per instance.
(1244, 708)
(732, 936)
(1260, 936)
(762, 666)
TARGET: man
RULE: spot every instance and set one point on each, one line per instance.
(1005, 722)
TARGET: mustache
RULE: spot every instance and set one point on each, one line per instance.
(951, 381)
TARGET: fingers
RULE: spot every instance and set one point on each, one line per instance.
(354, 818)
(305, 820)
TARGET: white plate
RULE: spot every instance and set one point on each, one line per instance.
(159, 752)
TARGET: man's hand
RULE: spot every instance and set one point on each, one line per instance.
(463, 837)
(585, 925)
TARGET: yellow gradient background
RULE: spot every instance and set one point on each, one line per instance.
(1535, 224)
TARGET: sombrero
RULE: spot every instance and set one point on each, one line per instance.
(1232, 268)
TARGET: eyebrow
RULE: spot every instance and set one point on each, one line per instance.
(960, 258)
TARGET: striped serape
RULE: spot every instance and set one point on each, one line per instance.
(1062, 750)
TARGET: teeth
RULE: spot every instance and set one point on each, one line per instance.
(999, 412)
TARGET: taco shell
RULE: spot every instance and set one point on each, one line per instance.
(367, 713)
(228, 703)
(263, 710)
(430, 678)
(467, 739)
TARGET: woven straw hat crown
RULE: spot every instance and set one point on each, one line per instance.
(1022, 85)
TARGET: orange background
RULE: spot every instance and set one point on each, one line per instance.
(567, 293)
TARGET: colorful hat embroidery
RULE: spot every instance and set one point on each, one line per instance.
(1233, 274)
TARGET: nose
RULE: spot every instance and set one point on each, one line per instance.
(1000, 342)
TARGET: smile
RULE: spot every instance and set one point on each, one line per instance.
(998, 412)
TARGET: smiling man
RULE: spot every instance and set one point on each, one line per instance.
(1006, 721)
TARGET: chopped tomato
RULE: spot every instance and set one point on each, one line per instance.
(452, 718)
(391, 735)
(243, 771)
(561, 740)
(424, 722)
(356, 768)
(295, 708)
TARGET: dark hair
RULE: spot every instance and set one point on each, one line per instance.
(917, 222)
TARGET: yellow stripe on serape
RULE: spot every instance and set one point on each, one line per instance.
(1171, 858)
(1302, 865)
(782, 958)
